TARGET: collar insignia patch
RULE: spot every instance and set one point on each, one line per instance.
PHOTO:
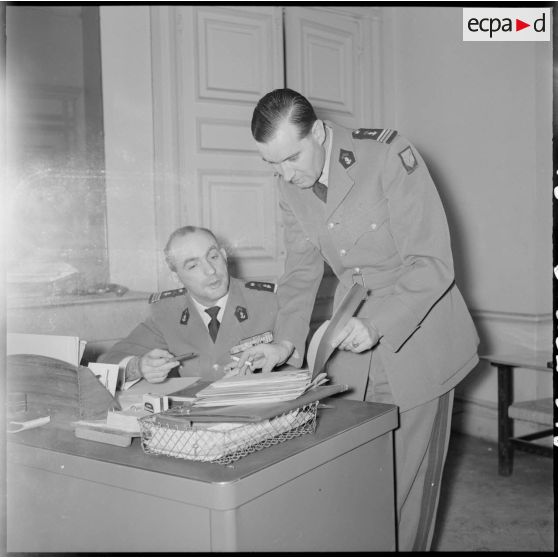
(241, 313)
(346, 158)
(408, 159)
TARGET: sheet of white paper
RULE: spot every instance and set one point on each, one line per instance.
(170, 385)
(126, 420)
(107, 374)
(62, 347)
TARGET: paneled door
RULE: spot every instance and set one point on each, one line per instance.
(331, 58)
(214, 64)
(211, 64)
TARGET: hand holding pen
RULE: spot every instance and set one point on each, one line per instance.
(156, 364)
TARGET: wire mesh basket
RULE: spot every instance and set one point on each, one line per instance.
(222, 442)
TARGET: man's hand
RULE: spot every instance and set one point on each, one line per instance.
(267, 355)
(357, 336)
(233, 368)
(155, 365)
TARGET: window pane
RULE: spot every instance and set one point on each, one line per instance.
(57, 207)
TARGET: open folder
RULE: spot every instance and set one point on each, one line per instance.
(321, 345)
(285, 386)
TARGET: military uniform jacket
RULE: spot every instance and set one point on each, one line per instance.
(176, 325)
(383, 225)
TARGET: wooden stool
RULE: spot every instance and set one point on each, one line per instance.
(538, 411)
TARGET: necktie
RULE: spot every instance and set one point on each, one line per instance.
(213, 325)
(320, 190)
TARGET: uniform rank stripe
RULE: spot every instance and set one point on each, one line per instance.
(385, 134)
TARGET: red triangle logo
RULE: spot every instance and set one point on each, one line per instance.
(519, 25)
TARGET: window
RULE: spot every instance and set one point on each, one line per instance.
(56, 232)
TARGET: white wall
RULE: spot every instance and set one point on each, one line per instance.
(480, 113)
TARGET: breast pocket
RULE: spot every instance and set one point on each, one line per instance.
(301, 240)
(369, 230)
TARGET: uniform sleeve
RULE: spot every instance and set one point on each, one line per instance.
(297, 287)
(142, 339)
(420, 231)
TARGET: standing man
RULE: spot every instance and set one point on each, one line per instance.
(211, 313)
(363, 201)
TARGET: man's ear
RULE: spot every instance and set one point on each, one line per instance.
(176, 279)
(223, 253)
(318, 131)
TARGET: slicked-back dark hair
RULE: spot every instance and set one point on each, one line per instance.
(274, 107)
(181, 233)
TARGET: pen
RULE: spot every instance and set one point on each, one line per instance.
(186, 356)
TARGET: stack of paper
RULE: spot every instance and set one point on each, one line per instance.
(63, 347)
(285, 386)
(257, 388)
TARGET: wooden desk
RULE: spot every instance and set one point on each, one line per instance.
(505, 364)
(328, 491)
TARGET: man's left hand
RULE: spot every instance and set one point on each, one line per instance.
(357, 336)
(267, 355)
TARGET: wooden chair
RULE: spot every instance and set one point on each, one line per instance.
(537, 411)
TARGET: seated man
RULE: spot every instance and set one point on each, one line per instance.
(208, 316)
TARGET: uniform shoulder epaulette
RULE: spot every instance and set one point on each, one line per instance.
(383, 135)
(156, 297)
(261, 286)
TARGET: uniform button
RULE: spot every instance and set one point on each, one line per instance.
(357, 269)
(330, 225)
(373, 226)
(342, 251)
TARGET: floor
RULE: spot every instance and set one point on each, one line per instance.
(480, 511)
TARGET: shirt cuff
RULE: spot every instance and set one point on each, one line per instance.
(295, 359)
(124, 385)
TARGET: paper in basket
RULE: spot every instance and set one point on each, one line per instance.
(222, 442)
